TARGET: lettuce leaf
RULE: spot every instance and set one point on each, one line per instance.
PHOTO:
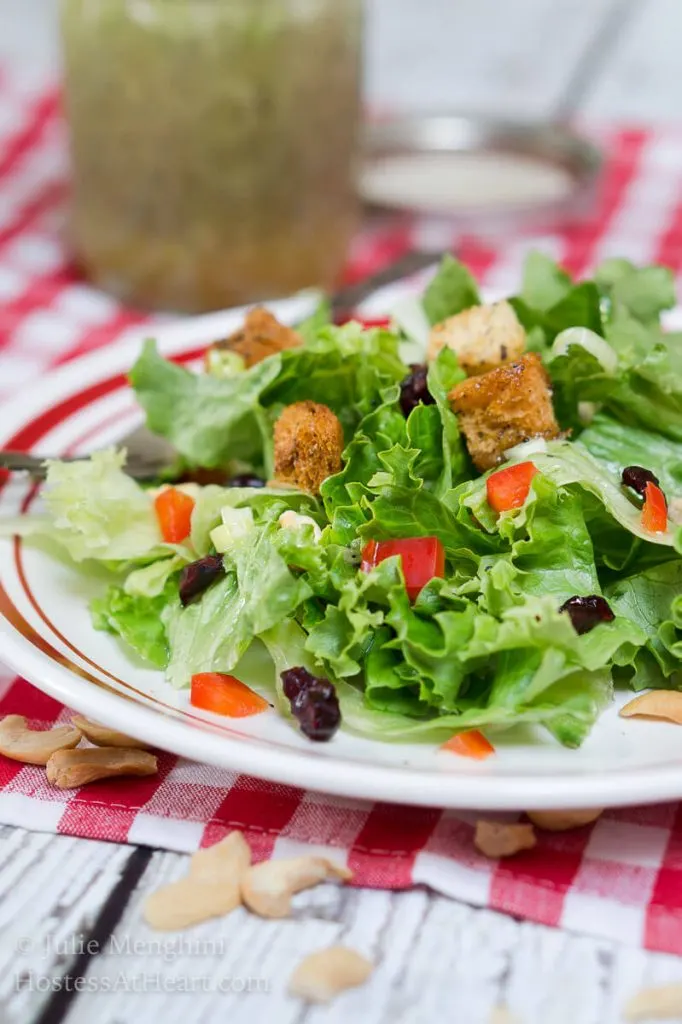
(452, 290)
(578, 307)
(617, 445)
(423, 452)
(623, 304)
(550, 552)
(266, 504)
(653, 600)
(212, 421)
(649, 390)
(347, 494)
(258, 592)
(568, 709)
(444, 373)
(95, 511)
(345, 368)
(137, 619)
(643, 292)
(208, 635)
(462, 667)
(209, 420)
(569, 464)
(544, 283)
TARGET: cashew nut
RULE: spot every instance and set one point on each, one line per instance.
(69, 769)
(661, 1003)
(562, 821)
(502, 1015)
(267, 888)
(102, 735)
(210, 889)
(231, 856)
(186, 903)
(665, 704)
(495, 839)
(34, 746)
(323, 975)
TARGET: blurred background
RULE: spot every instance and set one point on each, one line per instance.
(608, 59)
(215, 146)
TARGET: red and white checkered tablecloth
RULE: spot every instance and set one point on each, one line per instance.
(621, 877)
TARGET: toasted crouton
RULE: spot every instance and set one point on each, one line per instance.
(308, 445)
(482, 337)
(504, 407)
(261, 336)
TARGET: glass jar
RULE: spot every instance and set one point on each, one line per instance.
(213, 145)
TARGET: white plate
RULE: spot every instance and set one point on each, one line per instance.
(45, 634)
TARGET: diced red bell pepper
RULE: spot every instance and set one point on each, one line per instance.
(509, 488)
(174, 511)
(470, 744)
(369, 556)
(654, 510)
(225, 695)
(422, 559)
(376, 321)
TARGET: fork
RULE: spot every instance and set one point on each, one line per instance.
(148, 454)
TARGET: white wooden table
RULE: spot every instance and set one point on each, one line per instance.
(72, 944)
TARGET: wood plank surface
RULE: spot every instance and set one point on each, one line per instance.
(431, 953)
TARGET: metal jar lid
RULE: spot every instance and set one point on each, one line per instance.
(480, 172)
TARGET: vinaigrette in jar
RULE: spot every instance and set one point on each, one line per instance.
(213, 145)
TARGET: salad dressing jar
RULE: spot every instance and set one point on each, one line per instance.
(213, 144)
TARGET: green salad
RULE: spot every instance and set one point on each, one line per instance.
(466, 520)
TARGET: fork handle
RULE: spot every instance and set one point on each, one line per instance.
(19, 462)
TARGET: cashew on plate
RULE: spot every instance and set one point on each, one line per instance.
(665, 704)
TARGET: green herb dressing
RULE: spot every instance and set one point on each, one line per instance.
(213, 145)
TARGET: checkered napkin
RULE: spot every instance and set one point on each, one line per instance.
(621, 877)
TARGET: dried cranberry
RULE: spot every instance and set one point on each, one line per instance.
(245, 480)
(319, 717)
(204, 477)
(296, 680)
(587, 612)
(198, 577)
(414, 389)
(637, 477)
(314, 703)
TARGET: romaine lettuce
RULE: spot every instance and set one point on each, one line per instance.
(95, 511)
(137, 619)
(486, 646)
(212, 421)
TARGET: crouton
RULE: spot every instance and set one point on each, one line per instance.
(308, 445)
(261, 336)
(504, 407)
(482, 338)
